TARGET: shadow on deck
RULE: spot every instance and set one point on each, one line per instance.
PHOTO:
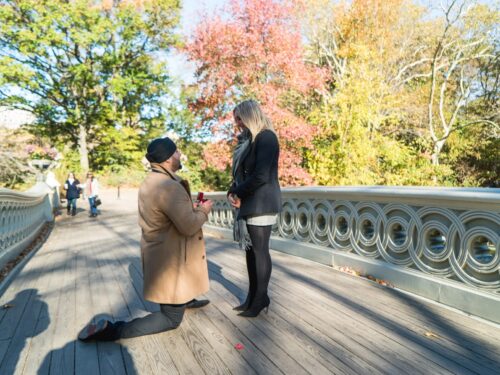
(320, 321)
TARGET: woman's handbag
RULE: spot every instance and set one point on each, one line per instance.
(97, 201)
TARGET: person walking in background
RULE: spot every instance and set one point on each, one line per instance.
(255, 193)
(92, 191)
(73, 190)
(173, 255)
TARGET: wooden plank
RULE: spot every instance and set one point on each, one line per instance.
(389, 352)
(20, 343)
(252, 353)
(11, 324)
(109, 353)
(142, 352)
(295, 306)
(407, 305)
(12, 317)
(348, 351)
(4, 346)
(373, 322)
(13, 344)
(220, 344)
(207, 358)
(298, 341)
(264, 339)
(39, 356)
(159, 359)
(408, 337)
(316, 323)
(138, 282)
(184, 359)
(285, 339)
(86, 357)
(63, 344)
(24, 279)
(193, 340)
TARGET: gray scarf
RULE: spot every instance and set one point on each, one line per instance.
(240, 231)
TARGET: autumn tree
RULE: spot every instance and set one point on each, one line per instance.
(89, 71)
(395, 94)
(367, 47)
(254, 50)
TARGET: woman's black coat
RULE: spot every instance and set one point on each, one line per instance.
(74, 190)
(259, 190)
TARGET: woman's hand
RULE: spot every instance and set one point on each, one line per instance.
(234, 201)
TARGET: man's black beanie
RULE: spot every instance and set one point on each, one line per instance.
(160, 149)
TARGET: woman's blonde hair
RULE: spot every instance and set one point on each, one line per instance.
(253, 118)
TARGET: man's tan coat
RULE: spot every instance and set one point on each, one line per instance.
(173, 255)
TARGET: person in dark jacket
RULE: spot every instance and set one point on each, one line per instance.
(73, 190)
(256, 195)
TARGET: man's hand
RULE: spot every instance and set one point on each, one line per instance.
(207, 205)
(234, 201)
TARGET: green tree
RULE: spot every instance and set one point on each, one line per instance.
(402, 80)
(367, 48)
(14, 169)
(92, 73)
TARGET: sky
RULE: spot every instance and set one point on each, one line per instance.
(180, 68)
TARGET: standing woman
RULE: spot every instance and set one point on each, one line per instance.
(73, 189)
(91, 191)
(256, 195)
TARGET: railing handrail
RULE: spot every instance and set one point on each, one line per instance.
(28, 195)
(457, 198)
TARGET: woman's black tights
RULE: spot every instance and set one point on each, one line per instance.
(259, 262)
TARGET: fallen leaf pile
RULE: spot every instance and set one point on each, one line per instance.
(353, 272)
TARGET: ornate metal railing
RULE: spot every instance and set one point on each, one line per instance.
(22, 216)
(447, 232)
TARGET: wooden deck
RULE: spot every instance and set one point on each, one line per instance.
(320, 321)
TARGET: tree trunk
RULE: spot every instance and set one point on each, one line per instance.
(438, 146)
(82, 145)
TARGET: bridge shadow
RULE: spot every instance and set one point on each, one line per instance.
(88, 358)
(450, 331)
(453, 343)
(215, 272)
(34, 320)
(260, 332)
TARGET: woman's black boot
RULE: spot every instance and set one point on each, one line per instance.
(256, 307)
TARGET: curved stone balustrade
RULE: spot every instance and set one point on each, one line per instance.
(447, 232)
(22, 215)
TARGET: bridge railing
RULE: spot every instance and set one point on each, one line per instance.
(22, 216)
(436, 242)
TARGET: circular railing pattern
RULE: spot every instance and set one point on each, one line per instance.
(458, 244)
